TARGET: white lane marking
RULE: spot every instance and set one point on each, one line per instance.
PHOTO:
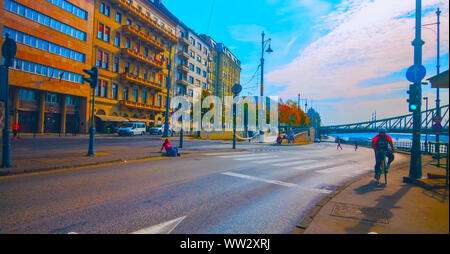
(275, 182)
(270, 161)
(294, 163)
(255, 158)
(162, 228)
(335, 169)
(310, 166)
(229, 153)
(245, 155)
(72, 233)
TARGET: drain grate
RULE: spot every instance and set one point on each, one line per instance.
(369, 214)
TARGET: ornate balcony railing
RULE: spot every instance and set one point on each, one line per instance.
(132, 78)
(144, 59)
(183, 54)
(138, 105)
(183, 67)
(124, 4)
(148, 39)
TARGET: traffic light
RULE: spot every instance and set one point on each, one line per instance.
(414, 98)
(93, 77)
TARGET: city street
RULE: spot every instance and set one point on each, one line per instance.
(267, 189)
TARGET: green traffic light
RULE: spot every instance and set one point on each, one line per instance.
(413, 107)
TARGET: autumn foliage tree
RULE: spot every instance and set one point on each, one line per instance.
(291, 114)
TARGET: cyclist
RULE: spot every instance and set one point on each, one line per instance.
(382, 142)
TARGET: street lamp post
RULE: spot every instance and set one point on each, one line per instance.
(438, 106)
(9, 50)
(269, 50)
(236, 89)
(166, 124)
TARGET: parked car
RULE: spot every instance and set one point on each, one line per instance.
(156, 130)
(317, 140)
(132, 129)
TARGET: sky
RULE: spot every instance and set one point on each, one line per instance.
(347, 58)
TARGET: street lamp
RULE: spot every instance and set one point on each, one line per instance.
(269, 50)
(166, 124)
(236, 89)
(9, 50)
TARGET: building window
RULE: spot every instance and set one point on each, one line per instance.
(117, 40)
(126, 93)
(135, 95)
(114, 91)
(70, 8)
(47, 71)
(199, 71)
(127, 43)
(28, 95)
(199, 59)
(32, 41)
(144, 97)
(104, 9)
(107, 34)
(159, 101)
(99, 58)
(105, 61)
(100, 29)
(199, 46)
(127, 67)
(102, 88)
(191, 53)
(191, 80)
(128, 22)
(119, 17)
(52, 98)
(146, 51)
(43, 19)
(204, 74)
(116, 64)
(191, 67)
(192, 40)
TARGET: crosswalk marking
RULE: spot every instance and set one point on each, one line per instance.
(254, 178)
(316, 165)
(244, 155)
(335, 169)
(294, 163)
(256, 157)
(273, 160)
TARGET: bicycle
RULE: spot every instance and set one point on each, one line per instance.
(383, 167)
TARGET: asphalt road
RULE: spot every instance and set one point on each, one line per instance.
(264, 190)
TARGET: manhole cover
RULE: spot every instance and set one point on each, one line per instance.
(369, 214)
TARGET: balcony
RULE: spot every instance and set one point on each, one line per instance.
(138, 105)
(183, 54)
(183, 40)
(133, 31)
(135, 12)
(131, 78)
(182, 82)
(147, 60)
(183, 68)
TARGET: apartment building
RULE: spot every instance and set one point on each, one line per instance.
(132, 47)
(225, 68)
(192, 59)
(53, 40)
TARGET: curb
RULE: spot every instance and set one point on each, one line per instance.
(7, 173)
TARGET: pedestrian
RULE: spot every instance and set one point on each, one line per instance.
(339, 145)
(292, 136)
(279, 140)
(170, 150)
(356, 145)
(15, 130)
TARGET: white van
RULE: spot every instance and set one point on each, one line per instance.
(132, 129)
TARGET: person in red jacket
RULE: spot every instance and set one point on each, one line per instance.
(382, 145)
(356, 145)
(15, 130)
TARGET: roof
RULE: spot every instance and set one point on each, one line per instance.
(440, 80)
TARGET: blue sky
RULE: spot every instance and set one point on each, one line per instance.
(348, 56)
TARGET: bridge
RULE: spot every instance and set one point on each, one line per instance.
(398, 124)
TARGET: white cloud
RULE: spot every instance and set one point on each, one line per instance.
(367, 40)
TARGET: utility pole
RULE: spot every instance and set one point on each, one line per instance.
(166, 124)
(426, 124)
(415, 171)
(438, 103)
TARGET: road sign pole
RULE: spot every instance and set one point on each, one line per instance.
(415, 170)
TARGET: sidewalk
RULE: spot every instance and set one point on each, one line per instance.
(362, 207)
(76, 157)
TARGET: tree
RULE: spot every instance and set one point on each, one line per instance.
(290, 113)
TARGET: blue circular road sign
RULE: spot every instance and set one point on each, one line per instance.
(416, 73)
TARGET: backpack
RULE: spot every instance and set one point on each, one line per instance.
(382, 143)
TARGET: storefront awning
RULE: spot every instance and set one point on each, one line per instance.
(140, 120)
(112, 118)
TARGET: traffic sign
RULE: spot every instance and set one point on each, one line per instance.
(416, 73)
(437, 119)
(437, 127)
